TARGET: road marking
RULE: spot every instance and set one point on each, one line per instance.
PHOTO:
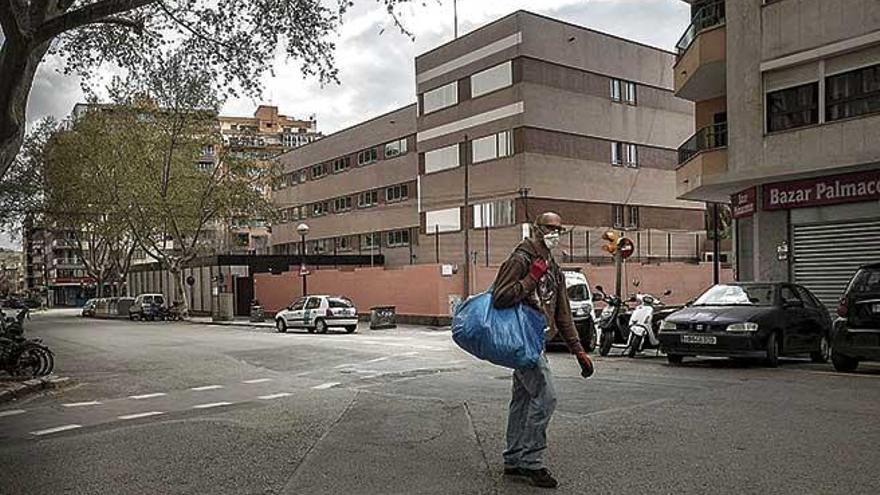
(274, 396)
(377, 360)
(303, 373)
(257, 380)
(82, 404)
(13, 412)
(57, 429)
(206, 387)
(147, 396)
(347, 365)
(141, 415)
(212, 404)
(325, 386)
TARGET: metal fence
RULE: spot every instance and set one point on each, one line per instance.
(709, 15)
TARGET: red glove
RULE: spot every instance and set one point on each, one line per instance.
(586, 364)
(538, 269)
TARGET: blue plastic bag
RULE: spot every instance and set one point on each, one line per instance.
(511, 337)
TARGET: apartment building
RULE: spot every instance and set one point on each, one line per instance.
(529, 114)
(10, 271)
(787, 96)
(52, 266)
(356, 190)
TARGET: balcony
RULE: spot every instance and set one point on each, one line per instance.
(700, 67)
(702, 163)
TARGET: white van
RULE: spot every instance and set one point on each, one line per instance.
(581, 299)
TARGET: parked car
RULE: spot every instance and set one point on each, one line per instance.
(744, 320)
(318, 314)
(856, 334)
(582, 312)
(146, 307)
(88, 309)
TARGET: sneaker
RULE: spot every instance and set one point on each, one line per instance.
(514, 471)
(541, 478)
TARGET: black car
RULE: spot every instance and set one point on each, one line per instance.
(856, 334)
(748, 320)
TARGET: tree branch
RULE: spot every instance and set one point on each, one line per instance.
(137, 25)
(13, 17)
(88, 14)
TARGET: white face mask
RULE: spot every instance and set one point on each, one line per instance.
(551, 240)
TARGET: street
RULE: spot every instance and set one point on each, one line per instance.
(188, 408)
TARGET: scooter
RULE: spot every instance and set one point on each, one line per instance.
(642, 324)
(611, 326)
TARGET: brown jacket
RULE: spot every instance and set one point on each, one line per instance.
(514, 285)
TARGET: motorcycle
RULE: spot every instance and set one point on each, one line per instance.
(612, 325)
(644, 323)
(173, 313)
(20, 356)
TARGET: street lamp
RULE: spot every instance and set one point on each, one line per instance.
(303, 230)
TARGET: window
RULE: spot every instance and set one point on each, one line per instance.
(396, 193)
(342, 204)
(370, 241)
(344, 243)
(632, 217)
(853, 93)
(624, 154)
(341, 164)
(368, 199)
(398, 238)
(491, 147)
(368, 156)
(623, 91)
(441, 159)
(494, 214)
(319, 209)
(302, 177)
(617, 216)
(319, 246)
(208, 150)
(314, 303)
(395, 148)
(206, 166)
(442, 97)
(319, 170)
(448, 220)
(793, 107)
(492, 79)
(298, 304)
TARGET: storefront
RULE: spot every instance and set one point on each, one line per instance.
(814, 232)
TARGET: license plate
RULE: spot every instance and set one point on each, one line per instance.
(698, 339)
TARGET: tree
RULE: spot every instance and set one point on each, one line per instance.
(22, 190)
(235, 40)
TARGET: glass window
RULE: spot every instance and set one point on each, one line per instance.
(342, 204)
(617, 154)
(737, 295)
(491, 147)
(630, 155)
(398, 238)
(340, 164)
(442, 97)
(313, 303)
(866, 280)
(298, 304)
(338, 302)
(396, 193)
(492, 79)
(578, 292)
(615, 89)
(494, 214)
(344, 243)
(370, 241)
(793, 107)
(441, 159)
(368, 156)
(853, 93)
(395, 148)
(632, 217)
(629, 93)
(448, 220)
(319, 170)
(617, 216)
(806, 297)
(319, 209)
(319, 246)
(368, 199)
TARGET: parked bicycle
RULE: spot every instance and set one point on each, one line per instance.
(20, 356)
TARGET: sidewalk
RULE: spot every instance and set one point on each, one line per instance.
(12, 388)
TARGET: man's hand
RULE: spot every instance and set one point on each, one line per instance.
(586, 364)
(538, 269)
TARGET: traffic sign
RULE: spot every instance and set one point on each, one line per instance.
(626, 247)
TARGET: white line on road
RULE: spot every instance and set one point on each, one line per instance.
(141, 415)
(325, 386)
(147, 396)
(82, 404)
(57, 429)
(377, 360)
(13, 412)
(257, 380)
(212, 404)
(274, 396)
(347, 365)
(206, 387)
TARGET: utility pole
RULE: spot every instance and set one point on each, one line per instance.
(716, 245)
(467, 237)
(485, 232)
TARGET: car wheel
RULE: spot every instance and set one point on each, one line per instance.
(843, 363)
(674, 358)
(351, 328)
(824, 352)
(605, 342)
(280, 326)
(320, 326)
(772, 358)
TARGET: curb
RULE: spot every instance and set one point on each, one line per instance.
(22, 388)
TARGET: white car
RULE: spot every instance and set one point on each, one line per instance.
(317, 314)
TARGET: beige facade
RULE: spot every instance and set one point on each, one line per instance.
(799, 157)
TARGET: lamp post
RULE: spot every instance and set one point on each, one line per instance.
(303, 230)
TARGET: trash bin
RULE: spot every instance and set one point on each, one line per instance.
(383, 317)
(257, 313)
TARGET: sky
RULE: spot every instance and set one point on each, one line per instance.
(376, 61)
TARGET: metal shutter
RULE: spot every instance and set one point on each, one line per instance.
(826, 256)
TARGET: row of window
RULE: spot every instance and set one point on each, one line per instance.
(366, 199)
(624, 155)
(364, 157)
(849, 94)
(483, 149)
(625, 216)
(503, 213)
(393, 238)
(623, 91)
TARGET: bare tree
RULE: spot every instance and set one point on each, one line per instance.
(236, 41)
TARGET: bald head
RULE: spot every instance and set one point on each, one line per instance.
(549, 219)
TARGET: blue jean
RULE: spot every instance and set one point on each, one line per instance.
(531, 407)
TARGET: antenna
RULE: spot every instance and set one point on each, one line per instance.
(455, 18)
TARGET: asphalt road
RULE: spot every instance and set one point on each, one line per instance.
(197, 409)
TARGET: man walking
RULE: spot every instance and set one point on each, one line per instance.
(530, 275)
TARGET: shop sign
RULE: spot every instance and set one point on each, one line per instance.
(848, 188)
(743, 203)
